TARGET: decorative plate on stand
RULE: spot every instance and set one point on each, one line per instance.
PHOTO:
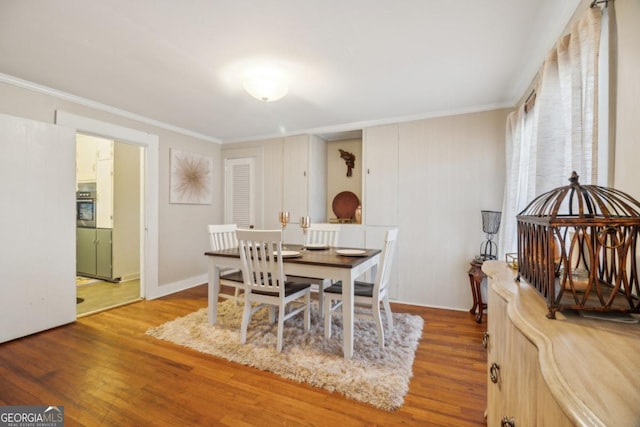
(345, 204)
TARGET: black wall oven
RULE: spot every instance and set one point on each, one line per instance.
(86, 209)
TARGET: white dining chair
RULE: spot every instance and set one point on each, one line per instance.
(322, 234)
(223, 236)
(366, 294)
(266, 284)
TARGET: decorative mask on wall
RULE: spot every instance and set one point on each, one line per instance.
(349, 159)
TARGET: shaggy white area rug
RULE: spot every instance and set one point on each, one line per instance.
(379, 377)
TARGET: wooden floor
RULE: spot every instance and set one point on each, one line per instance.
(105, 371)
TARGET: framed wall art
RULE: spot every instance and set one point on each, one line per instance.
(191, 178)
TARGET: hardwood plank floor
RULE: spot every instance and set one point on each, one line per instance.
(104, 370)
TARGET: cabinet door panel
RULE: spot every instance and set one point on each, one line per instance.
(521, 393)
(104, 185)
(496, 349)
(86, 251)
(295, 188)
(522, 378)
(381, 175)
(86, 153)
(103, 253)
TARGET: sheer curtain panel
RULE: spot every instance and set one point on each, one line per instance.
(558, 133)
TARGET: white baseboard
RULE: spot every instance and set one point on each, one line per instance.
(171, 288)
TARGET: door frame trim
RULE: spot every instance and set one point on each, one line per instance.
(150, 187)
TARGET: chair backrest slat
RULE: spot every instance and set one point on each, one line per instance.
(262, 270)
(323, 233)
(386, 261)
(222, 236)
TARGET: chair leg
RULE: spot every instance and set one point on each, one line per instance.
(307, 311)
(280, 327)
(246, 317)
(321, 298)
(327, 317)
(378, 320)
(387, 311)
(324, 283)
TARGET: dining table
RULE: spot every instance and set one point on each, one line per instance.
(344, 264)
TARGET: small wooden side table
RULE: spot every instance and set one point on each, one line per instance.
(475, 279)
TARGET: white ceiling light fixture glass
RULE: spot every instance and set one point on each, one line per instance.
(265, 85)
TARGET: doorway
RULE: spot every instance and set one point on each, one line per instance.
(148, 196)
(108, 247)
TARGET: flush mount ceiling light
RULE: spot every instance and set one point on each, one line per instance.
(265, 86)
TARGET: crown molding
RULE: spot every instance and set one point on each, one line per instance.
(346, 127)
(25, 84)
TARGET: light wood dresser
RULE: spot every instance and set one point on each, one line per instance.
(563, 372)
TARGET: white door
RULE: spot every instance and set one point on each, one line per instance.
(37, 224)
(240, 201)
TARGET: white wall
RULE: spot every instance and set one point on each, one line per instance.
(627, 144)
(450, 169)
(182, 238)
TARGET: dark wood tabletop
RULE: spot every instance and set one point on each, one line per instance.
(327, 257)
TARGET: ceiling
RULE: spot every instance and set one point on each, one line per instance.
(348, 63)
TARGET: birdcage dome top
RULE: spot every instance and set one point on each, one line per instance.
(583, 201)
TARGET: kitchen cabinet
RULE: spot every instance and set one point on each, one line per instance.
(104, 191)
(116, 168)
(560, 372)
(94, 252)
(304, 177)
(380, 151)
(86, 157)
(89, 151)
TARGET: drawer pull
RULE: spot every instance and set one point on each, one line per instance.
(508, 422)
(485, 339)
(494, 372)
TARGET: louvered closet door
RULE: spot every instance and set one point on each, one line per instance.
(240, 199)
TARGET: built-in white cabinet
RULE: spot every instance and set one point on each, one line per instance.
(86, 158)
(104, 149)
(304, 177)
(380, 150)
(104, 182)
(104, 190)
(89, 152)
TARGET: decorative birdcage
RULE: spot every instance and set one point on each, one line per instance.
(577, 246)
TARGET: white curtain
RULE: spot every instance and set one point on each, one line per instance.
(557, 133)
